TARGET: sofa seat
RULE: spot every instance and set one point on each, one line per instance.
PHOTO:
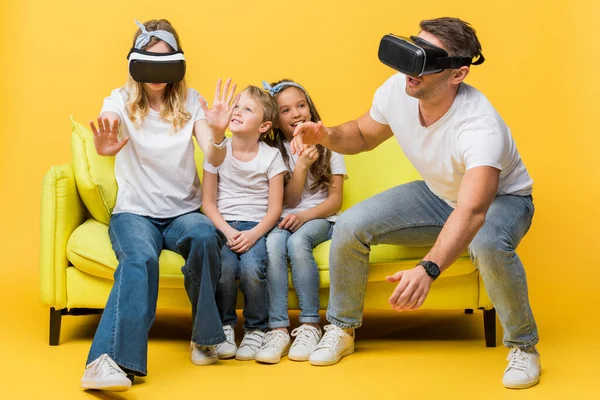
(90, 251)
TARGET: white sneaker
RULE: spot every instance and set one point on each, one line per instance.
(104, 374)
(203, 355)
(307, 338)
(250, 345)
(275, 345)
(523, 369)
(336, 343)
(228, 348)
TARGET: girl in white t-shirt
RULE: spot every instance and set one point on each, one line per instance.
(313, 197)
(243, 198)
(148, 127)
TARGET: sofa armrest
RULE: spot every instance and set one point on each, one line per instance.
(61, 212)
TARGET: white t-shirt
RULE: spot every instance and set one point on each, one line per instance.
(243, 187)
(311, 199)
(156, 171)
(471, 134)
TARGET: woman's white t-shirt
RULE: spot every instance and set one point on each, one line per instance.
(471, 134)
(243, 187)
(312, 198)
(156, 171)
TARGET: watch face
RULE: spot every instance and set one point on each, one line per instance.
(432, 269)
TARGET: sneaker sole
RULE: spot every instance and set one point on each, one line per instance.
(226, 356)
(320, 363)
(245, 358)
(205, 361)
(267, 360)
(522, 385)
(298, 358)
(108, 387)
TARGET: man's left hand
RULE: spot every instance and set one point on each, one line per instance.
(412, 289)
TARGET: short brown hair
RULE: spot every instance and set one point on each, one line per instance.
(269, 106)
(458, 36)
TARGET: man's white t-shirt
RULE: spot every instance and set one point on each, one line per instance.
(312, 198)
(243, 187)
(156, 171)
(471, 134)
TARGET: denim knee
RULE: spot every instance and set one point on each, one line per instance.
(298, 246)
(253, 275)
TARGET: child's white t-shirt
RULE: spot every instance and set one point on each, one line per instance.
(311, 199)
(471, 134)
(243, 187)
(156, 171)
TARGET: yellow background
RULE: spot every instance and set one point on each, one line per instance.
(61, 58)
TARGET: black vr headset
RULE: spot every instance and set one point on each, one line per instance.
(416, 57)
(150, 67)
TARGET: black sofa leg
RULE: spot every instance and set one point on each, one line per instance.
(55, 321)
(489, 324)
(468, 311)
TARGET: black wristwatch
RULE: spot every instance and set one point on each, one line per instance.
(431, 268)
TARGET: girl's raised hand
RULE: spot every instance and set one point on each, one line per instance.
(106, 137)
(219, 115)
(309, 155)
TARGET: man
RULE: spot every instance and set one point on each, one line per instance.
(476, 193)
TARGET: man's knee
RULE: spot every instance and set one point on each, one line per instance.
(488, 247)
(351, 226)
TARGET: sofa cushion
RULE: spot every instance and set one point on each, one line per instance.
(94, 174)
(89, 250)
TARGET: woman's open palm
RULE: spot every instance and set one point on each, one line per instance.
(106, 137)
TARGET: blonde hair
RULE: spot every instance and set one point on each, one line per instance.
(269, 107)
(174, 97)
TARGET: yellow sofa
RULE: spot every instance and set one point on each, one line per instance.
(77, 261)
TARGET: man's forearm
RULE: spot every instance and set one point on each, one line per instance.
(345, 139)
(458, 232)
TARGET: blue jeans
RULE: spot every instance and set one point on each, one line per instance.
(411, 215)
(298, 246)
(250, 268)
(129, 313)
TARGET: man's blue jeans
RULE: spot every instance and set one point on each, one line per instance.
(131, 307)
(298, 247)
(411, 215)
(250, 268)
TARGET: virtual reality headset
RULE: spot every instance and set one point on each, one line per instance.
(416, 57)
(150, 67)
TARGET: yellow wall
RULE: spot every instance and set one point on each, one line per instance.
(62, 58)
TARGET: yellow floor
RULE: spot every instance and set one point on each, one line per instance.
(417, 355)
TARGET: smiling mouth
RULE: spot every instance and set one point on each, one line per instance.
(295, 124)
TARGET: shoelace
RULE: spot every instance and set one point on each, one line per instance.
(253, 339)
(332, 336)
(519, 359)
(107, 367)
(305, 333)
(228, 334)
(273, 339)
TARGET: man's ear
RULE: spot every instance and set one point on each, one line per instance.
(265, 126)
(460, 74)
